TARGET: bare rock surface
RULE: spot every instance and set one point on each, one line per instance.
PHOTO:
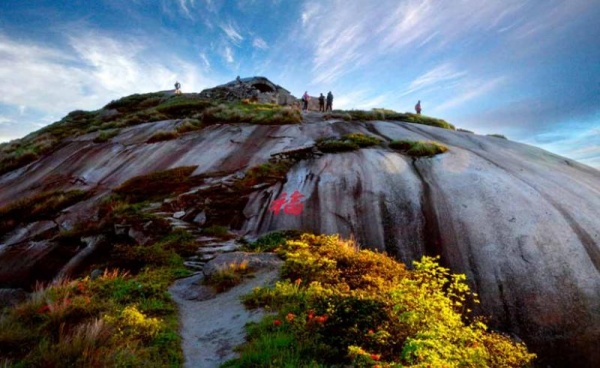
(523, 224)
(213, 324)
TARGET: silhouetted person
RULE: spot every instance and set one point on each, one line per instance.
(329, 101)
(177, 88)
(418, 107)
(322, 103)
(305, 99)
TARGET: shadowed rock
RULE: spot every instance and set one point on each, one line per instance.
(520, 222)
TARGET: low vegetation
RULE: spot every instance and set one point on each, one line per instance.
(228, 276)
(385, 114)
(336, 145)
(464, 131)
(252, 113)
(41, 206)
(338, 305)
(159, 184)
(162, 136)
(418, 148)
(106, 135)
(119, 319)
(268, 172)
(349, 142)
(497, 136)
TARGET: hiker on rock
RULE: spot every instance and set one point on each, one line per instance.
(177, 88)
(329, 101)
(322, 103)
(418, 107)
(305, 99)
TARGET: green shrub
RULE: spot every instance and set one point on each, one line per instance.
(338, 305)
(418, 148)
(106, 135)
(272, 240)
(362, 140)
(464, 131)
(162, 136)
(497, 136)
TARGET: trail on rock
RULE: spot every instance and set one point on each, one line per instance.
(212, 325)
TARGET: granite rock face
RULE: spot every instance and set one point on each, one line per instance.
(523, 224)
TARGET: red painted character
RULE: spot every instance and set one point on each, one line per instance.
(278, 203)
(294, 206)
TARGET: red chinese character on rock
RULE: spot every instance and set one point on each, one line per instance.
(294, 206)
(278, 203)
(290, 206)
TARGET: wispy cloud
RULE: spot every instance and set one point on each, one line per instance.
(470, 91)
(228, 54)
(185, 6)
(259, 43)
(232, 32)
(442, 73)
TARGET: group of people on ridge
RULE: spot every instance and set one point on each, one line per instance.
(322, 99)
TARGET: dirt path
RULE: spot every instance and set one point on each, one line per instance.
(213, 324)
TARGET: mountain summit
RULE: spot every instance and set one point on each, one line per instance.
(520, 222)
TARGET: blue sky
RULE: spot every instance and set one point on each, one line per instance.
(527, 69)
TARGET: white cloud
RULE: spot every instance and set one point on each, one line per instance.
(45, 83)
(228, 54)
(259, 43)
(185, 7)
(470, 91)
(442, 73)
(205, 60)
(232, 33)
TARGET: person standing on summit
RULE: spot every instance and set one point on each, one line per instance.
(418, 107)
(177, 88)
(322, 103)
(305, 99)
(329, 101)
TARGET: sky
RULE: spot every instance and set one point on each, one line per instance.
(527, 69)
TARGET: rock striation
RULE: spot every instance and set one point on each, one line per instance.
(520, 222)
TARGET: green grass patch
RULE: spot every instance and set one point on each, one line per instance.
(159, 184)
(336, 145)
(228, 276)
(162, 136)
(269, 172)
(385, 114)
(497, 136)
(216, 230)
(338, 305)
(418, 148)
(188, 125)
(362, 140)
(464, 131)
(271, 241)
(267, 114)
(41, 206)
(106, 135)
(182, 106)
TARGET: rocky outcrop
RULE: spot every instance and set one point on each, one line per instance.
(520, 222)
(258, 89)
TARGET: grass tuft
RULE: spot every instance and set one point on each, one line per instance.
(162, 136)
(418, 148)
